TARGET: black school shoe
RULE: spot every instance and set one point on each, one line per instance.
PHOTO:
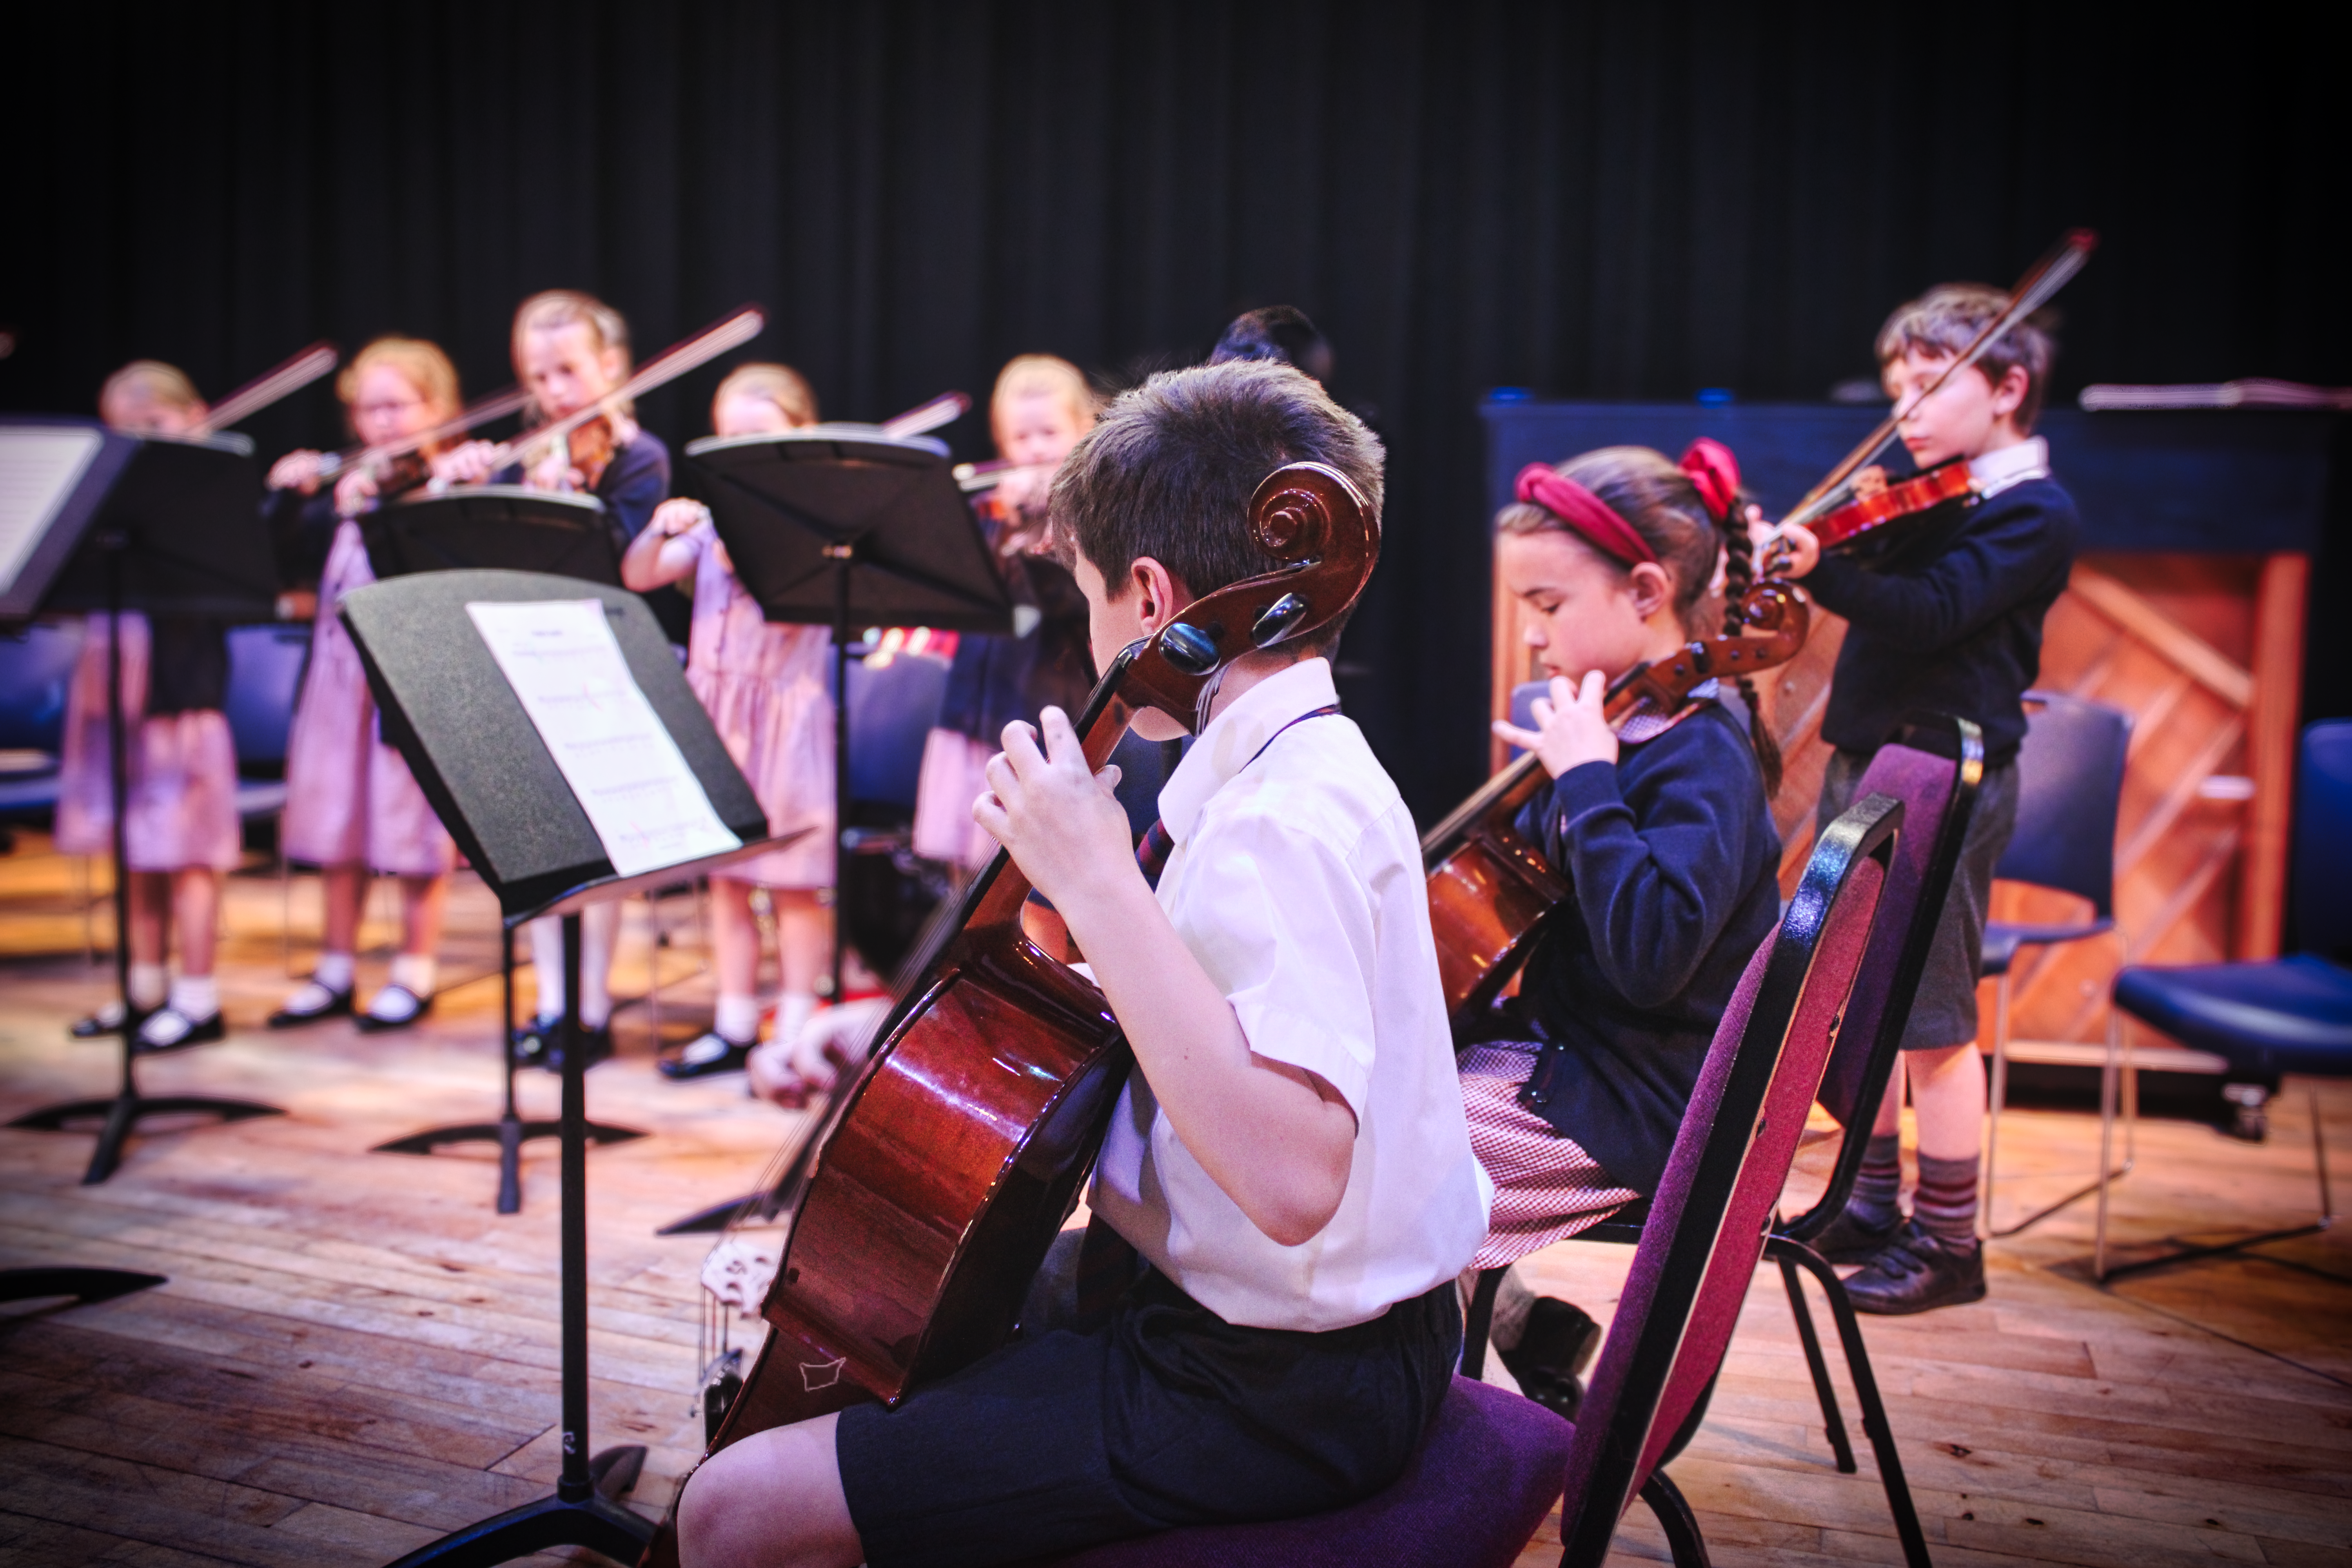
(596, 1045)
(406, 1007)
(1852, 1238)
(1918, 1272)
(106, 1020)
(705, 1056)
(169, 1029)
(1556, 1344)
(293, 1016)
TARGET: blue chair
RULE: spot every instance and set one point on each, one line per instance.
(2070, 785)
(36, 665)
(265, 678)
(2285, 1014)
(892, 708)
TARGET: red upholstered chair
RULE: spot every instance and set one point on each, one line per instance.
(1494, 1462)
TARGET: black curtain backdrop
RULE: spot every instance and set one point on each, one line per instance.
(1632, 199)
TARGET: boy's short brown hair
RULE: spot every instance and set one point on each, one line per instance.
(1946, 320)
(1169, 471)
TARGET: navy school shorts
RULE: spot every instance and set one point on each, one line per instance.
(1165, 1415)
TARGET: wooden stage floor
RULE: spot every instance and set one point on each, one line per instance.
(354, 1353)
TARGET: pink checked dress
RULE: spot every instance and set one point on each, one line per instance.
(765, 688)
(181, 804)
(350, 798)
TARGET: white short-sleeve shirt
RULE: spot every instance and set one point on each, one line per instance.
(1296, 881)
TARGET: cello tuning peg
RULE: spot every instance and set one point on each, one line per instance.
(1189, 649)
(1278, 619)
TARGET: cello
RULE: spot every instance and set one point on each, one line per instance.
(1490, 891)
(942, 1173)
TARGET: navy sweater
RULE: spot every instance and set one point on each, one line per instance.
(1673, 860)
(1948, 616)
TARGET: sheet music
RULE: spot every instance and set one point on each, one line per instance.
(38, 470)
(562, 660)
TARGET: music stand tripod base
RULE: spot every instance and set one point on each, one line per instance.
(122, 1114)
(509, 1132)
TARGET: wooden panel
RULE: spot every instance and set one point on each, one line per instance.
(2205, 652)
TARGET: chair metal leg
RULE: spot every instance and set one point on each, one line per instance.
(1999, 1099)
(2319, 1159)
(2109, 1083)
(1833, 1423)
(1478, 1321)
(2327, 1220)
(2116, 1071)
(1865, 1393)
(1675, 1519)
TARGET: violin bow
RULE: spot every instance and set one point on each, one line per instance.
(267, 388)
(2033, 290)
(498, 406)
(945, 409)
(733, 331)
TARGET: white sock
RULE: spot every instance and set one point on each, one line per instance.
(150, 983)
(547, 965)
(793, 1010)
(334, 971)
(736, 1018)
(600, 927)
(417, 971)
(195, 998)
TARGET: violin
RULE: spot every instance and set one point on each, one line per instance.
(587, 433)
(940, 1174)
(401, 466)
(1490, 891)
(1842, 489)
(1878, 503)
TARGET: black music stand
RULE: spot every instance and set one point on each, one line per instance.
(479, 759)
(841, 526)
(494, 527)
(119, 522)
(497, 527)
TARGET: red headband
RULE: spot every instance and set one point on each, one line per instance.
(1590, 517)
(1715, 472)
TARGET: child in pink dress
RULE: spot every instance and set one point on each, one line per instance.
(180, 822)
(352, 808)
(1039, 410)
(764, 686)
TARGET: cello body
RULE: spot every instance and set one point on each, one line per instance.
(1490, 891)
(944, 1170)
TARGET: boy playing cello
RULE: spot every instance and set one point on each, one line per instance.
(1289, 1157)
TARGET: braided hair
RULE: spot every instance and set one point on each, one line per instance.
(1691, 514)
(1738, 577)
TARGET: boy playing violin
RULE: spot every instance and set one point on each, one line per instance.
(1289, 1157)
(1947, 618)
